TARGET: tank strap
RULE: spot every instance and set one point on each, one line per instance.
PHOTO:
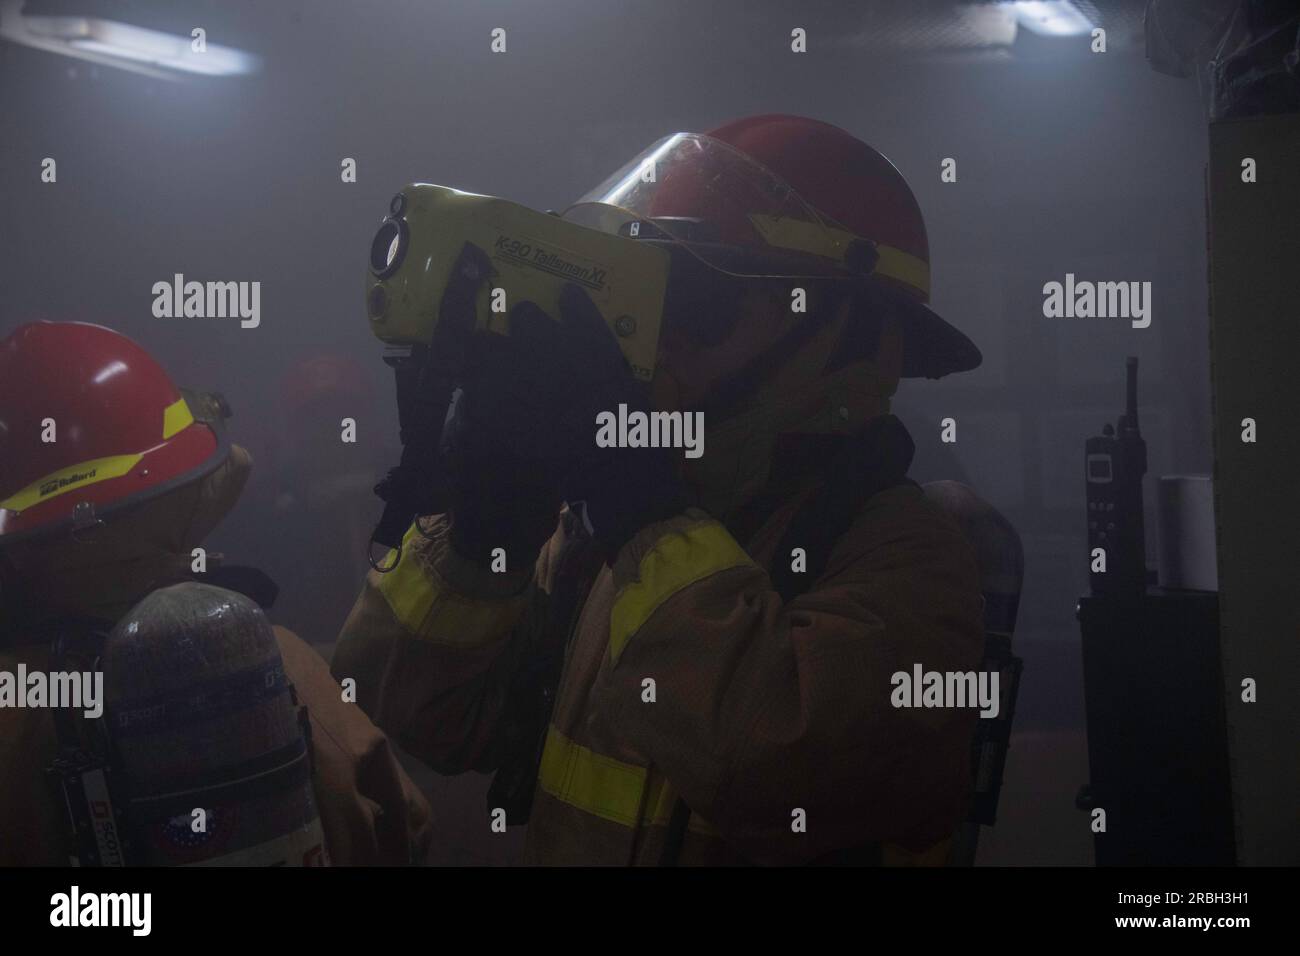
(81, 771)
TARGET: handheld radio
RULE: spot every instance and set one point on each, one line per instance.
(1114, 463)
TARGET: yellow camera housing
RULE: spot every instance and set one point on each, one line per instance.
(533, 255)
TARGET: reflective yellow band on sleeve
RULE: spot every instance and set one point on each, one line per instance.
(596, 784)
(430, 610)
(678, 559)
(623, 793)
(176, 417)
(70, 479)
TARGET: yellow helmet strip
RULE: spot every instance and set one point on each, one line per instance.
(70, 479)
(815, 238)
(176, 418)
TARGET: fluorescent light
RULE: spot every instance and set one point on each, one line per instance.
(122, 45)
(1057, 18)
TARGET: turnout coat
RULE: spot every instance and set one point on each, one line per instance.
(686, 675)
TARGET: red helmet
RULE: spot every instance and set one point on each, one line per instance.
(787, 195)
(89, 424)
(321, 377)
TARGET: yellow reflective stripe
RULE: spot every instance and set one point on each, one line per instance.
(406, 588)
(70, 479)
(428, 609)
(905, 267)
(176, 416)
(582, 778)
(802, 235)
(831, 243)
(609, 788)
(678, 559)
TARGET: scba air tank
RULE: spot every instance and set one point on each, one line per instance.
(211, 752)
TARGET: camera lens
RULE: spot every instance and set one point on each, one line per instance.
(388, 247)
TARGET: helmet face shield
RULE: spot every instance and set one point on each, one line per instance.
(783, 197)
(729, 210)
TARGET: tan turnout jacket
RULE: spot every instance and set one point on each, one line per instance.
(687, 675)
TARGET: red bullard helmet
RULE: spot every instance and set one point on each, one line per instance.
(777, 195)
(122, 433)
(323, 377)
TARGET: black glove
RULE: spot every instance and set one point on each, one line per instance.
(504, 480)
(618, 491)
(521, 435)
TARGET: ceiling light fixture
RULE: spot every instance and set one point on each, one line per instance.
(123, 45)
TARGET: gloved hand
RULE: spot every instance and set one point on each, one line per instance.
(617, 491)
(521, 435)
(503, 473)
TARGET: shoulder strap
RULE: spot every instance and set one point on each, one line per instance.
(80, 772)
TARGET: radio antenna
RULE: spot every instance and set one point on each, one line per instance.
(1131, 409)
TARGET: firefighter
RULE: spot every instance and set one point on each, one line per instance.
(694, 664)
(110, 479)
(318, 492)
